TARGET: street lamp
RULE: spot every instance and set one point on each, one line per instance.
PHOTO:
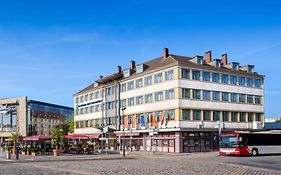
(123, 142)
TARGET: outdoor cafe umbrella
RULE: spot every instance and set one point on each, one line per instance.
(76, 136)
(36, 138)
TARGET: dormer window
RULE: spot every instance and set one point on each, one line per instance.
(235, 66)
(127, 73)
(218, 63)
(199, 60)
(250, 69)
(96, 84)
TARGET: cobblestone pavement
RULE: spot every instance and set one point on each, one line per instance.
(198, 164)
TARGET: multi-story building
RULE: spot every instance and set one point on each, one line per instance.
(173, 103)
(29, 117)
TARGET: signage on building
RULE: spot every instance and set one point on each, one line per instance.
(142, 121)
(87, 104)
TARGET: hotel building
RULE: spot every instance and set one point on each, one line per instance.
(173, 103)
(30, 117)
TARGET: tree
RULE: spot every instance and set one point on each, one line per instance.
(57, 138)
(16, 137)
(71, 124)
(278, 120)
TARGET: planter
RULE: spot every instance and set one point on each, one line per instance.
(34, 153)
(8, 154)
(14, 150)
(23, 153)
(56, 152)
(27, 152)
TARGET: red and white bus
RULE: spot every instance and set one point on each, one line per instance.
(244, 144)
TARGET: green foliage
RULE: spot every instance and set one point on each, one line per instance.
(8, 148)
(57, 137)
(16, 137)
(23, 149)
(34, 150)
(71, 124)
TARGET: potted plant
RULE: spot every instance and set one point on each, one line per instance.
(27, 151)
(8, 152)
(16, 137)
(57, 140)
(34, 151)
(23, 151)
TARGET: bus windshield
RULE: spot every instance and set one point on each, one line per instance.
(228, 142)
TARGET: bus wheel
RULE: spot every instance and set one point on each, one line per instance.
(255, 152)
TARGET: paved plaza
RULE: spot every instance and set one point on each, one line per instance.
(143, 163)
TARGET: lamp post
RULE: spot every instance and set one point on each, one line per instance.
(131, 125)
(123, 141)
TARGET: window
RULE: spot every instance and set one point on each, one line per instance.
(170, 94)
(224, 96)
(257, 99)
(139, 83)
(233, 79)
(242, 98)
(76, 100)
(131, 101)
(148, 81)
(86, 110)
(250, 117)
(250, 99)
(185, 93)
(242, 81)
(109, 105)
(158, 78)
(109, 90)
(196, 75)
(235, 66)
(216, 96)
(207, 115)
(91, 96)
(123, 103)
(249, 82)
(196, 115)
(127, 73)
(169, 75)
(242, 117)
(207, 95)
(215, 77)
(216, 115)
(139, 100)
(123, 87)
(170, 114)
(185, 114)
(97, 94)
(140, 68)
(233, 97)
(77, 112)
(82, 111)
(206, 76)
(148, 98)
(92, 109)
(224, 116)
(81, 99)
(224, 78)
(234, 116)
(130, 85)
(97, 108)
(158, 96)
(258, 117)
(185, 73)
(196, 94)
(86, 97)
(257, 83)
(218, 63)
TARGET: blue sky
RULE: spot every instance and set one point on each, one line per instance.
(51, 49)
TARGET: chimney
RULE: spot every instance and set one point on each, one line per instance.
(224, 59)
(119, 69)
(133, 64)
(208, 56)
(166, 53)
(101, 76)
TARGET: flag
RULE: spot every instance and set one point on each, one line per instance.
(135, 121)
(142, 121)
(163, 117)
(126, 122)
(153, 123)
(167, 120)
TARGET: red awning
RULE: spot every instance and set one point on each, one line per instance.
(127, 134)
(76, 136)
(37, 138)
(93, 136)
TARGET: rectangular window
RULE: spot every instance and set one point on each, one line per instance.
(148, 80)
(225, 116)
(130, 85)
(81, 99)
(185, 114)
(250, 117)
(233, 79)
(185, 73)
(242, 117)
(250, 99)
(249, 82)
(139, 83)
(206, 76)
(196, 115)
(170, 94)
(148, 98)
(257, 83)
(97, 94)
(169, 75)
(123, 103)
(207, 115)
(216, 115)
(258, 117)
(224, 78)
(158, 78)
(196, 94)
(86, 97)
(216, 96)
(158, 96)
(234, 116)
(215, 77)
(123, 87)
(195, 74)
(82, 111)
(257, 99)
(242, 81)
(131, 101)
(233, 97)
(92, 109)
(224, 96)
(242, 98)
(170, 114)
(139, 100)
(185, 93)
(206, 95)
(86, 110)
(76, 100)
(91, 96)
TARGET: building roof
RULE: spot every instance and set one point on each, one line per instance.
(163, 63)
